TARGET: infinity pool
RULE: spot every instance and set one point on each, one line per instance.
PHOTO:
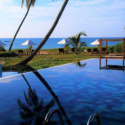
(8, 73)
(81, 91)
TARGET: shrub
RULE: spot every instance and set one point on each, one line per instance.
(66, 47)
(118, 47)
(7, 54)
(111, 49)
(2, 48)
(30, 47)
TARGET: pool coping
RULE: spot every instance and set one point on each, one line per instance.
(43, 69)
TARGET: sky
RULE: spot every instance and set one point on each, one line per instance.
(97, 18)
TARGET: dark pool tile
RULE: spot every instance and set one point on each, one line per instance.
(109, 106)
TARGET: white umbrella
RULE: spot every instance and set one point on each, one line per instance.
(2, 43)
(95, 43)
(28, 42)
(64, 41)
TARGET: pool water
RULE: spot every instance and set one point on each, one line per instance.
(8, 73)
(81, 91)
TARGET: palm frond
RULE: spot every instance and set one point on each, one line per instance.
(72, 44)
(28, 102)
(23, 106)
(39, 106)
(79, 35)
(83, 33)
(80, 65)
(50, 104)
(27, 3)
(33, 2)
(28, 121)
(22, 3)
(26, 115)
(39, 121)
(79, 45)
(33, 97)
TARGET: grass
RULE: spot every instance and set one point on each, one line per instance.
(42, 61)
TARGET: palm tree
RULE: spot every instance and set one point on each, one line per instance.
(25, 61)
(75, 41)
(28, 5)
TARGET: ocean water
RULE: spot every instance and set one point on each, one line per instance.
(52, 42)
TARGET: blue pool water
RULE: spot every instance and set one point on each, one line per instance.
(81, 91)
(8, 73)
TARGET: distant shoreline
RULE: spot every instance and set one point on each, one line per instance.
(51, 42)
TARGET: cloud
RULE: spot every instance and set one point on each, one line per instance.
(6, 1)
(77, 15)
(9, 79)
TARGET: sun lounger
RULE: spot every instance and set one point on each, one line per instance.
(89, 50)
(21, 51)
(95, 51)
(72, 50)
(60, 50)
(2, 50)
(103, 50)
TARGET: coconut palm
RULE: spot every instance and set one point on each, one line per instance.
(35, 111)
(76, 43)
(28, 5)
(25, 61)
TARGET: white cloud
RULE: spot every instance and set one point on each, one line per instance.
(6, 1)
(9, 79)
(77, 15)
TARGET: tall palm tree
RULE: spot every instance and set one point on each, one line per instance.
(28, 5)
(75, 41)
(25, 61)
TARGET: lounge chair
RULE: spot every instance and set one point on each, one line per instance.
(103, 50)
(60, 50)
(89, 50)
(21, 51)
(95, 51)
(2, 50)
(72, 50)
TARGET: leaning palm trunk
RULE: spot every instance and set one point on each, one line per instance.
(20, 26)
(47, 36)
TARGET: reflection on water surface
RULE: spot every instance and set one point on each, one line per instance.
(78, 93)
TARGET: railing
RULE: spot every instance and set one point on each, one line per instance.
(91, 118)
(52, 111)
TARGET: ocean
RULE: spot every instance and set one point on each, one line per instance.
(52, 42)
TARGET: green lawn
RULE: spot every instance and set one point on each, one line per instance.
(41, 61)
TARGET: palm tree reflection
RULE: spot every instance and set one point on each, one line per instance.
(35, 111)
(80, 65)
(54, 96)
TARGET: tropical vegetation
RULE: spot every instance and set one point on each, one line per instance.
(2, 47)
(28, 5)
(25, 61)
(76, 43)
(10, 59)
(117, 48)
